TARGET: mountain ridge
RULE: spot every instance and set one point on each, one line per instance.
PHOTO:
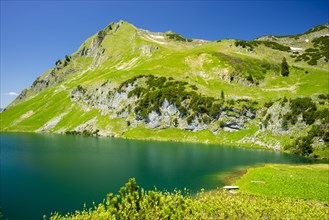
(133, 83)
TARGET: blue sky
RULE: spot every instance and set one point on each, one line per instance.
(34, 34)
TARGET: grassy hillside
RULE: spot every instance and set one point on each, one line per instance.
(81, 94)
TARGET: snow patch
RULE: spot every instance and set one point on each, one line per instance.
(157, 36)
(296, 48)
(154, 39)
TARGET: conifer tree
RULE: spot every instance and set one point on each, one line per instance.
(284, 67)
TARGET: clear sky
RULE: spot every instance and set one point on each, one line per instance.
(34, 34)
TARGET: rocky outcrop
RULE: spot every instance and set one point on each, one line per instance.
(122, 101)
(273, 120)
(147, 50)
(50, 124)
(105, 97)
(96, 49)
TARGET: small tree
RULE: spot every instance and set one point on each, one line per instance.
(222, 95)
(284, 67)
(67, 58)
(250, 79)
(58, 62)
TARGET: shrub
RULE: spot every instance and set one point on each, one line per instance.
(178, 37)
(194, 87)
(276, 46)
(81, 89)
(284, 100)
(284, 125)
(250, 79)
(138, 91)
(301, 146)
(182, 110)
(304, 106)
(189, 119)
(222, 95)
(323, 96)
(246, 44)
(67, 58)
(206, 119)
(268, 104)
(58, 62)
(300, 105)
(214, 110)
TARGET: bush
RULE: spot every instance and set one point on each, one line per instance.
(284, 125)
(250, 79)
(267, 119)
(67, 58)
(58, 62)
(300, 105)
(178, 37)
(304, 106)
(182, 110)
(301, 146)
(245, 44)
(194, 87)
(323, 96)
(214, 110)
(268, 104)
(189, 119)
(276, 46)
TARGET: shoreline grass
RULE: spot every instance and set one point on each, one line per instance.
(310, 182)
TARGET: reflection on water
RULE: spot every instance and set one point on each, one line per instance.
(45, 173)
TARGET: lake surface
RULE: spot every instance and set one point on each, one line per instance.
(41, 174)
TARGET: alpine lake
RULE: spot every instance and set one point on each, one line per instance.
(44, 173)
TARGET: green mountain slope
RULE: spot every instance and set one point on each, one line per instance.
(132, 83)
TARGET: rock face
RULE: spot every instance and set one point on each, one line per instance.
(50, 124)
(274, 120)
(118, 102)
(147, 50)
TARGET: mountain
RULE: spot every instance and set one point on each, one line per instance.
(132, 83)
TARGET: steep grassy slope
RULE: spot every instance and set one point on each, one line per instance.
(88, 92)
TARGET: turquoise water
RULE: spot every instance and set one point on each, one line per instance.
(41, 174)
